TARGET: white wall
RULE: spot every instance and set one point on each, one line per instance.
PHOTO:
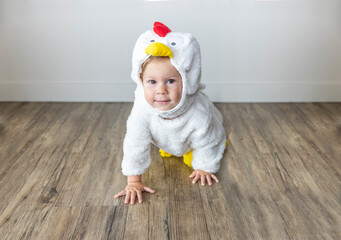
(80, 50)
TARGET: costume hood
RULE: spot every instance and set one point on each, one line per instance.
(184, 53)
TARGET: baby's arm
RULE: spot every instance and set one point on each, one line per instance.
(203, 176)
(134, 189)
(208, 142)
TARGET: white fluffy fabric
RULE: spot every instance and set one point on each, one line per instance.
(194, 124)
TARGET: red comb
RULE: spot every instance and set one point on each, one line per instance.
(161, 29)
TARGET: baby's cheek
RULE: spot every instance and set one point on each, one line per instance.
(148, 94)
(179, 93)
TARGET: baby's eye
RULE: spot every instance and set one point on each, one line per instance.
(173, 43)
(170, 81)
(152, 40)
(152, 81)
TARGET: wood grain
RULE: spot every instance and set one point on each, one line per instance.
(279, 179)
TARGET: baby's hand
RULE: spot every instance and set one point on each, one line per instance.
(200, 174)
(132, 190)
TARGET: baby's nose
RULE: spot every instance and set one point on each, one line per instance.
(162, 89)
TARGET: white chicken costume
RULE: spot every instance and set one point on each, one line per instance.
(192, 129)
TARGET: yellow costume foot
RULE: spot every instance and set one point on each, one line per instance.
(188, 157)
(164, 154)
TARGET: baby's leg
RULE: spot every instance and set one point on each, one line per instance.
(188, 157)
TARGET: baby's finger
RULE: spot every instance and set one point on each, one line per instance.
(132, 199)
(203, 180)
(148, 189)
(196, 178)
(139, 196)
(192, 175)
(120, 194)
(127, 197)
(208, 177)
(214, 177)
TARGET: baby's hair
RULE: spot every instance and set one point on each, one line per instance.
(149, 60)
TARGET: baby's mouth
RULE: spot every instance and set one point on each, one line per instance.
(162, 101)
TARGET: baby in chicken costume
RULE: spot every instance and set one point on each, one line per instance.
(170, 110)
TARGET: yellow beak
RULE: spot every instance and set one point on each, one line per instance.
(159, 49)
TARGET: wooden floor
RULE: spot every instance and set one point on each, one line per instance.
(279, 179)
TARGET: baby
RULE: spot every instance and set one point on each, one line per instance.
(170, 111)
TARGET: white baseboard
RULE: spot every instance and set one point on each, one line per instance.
(124, 91)
(275, 92)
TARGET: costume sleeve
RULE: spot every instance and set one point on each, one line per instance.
(208, 143)
(136, 145)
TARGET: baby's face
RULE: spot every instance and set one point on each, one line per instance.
(162, 84)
